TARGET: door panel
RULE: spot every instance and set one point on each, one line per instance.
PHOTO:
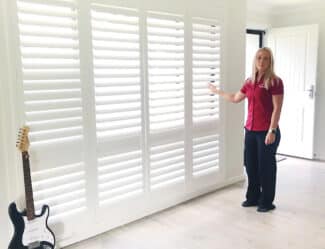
(295, 54)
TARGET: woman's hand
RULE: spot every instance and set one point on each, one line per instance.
(231, 97)
(213, 88)
(270, 138)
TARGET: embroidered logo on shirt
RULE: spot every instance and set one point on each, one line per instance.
(262, 85)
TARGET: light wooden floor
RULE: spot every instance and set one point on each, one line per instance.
(217, 221)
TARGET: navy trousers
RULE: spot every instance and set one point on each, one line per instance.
(260, 164)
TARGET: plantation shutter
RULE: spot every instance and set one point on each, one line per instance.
(205, 154)
(111, 143)
(166, 71)
(206, 53)
(116, 53)
(167, 164)
(52, 100)
(165, 37)
(206, 68)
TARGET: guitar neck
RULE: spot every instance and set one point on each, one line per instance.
(28, 187)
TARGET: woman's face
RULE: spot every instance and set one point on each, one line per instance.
(263, 61)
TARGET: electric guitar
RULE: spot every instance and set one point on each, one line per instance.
(31, 230)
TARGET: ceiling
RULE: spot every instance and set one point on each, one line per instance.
(288, 2)
(279, 4)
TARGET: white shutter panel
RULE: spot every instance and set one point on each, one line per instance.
(62, 188)
(52, 99)
(206, 68)
(205, 154)
(120, 176)
(167, 164)
(116, 51)
(166, 71)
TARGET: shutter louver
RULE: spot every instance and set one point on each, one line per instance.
(62, 188)
(50, 61)
(167, 164)
(116, 51)
(206, 68)
(205, 154)
(52, 100)
(166, 71)
(120, 176)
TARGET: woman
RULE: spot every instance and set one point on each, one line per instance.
(264, 91)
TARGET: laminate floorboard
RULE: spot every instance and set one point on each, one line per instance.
(217, 221)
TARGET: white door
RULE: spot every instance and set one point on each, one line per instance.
(295, 52)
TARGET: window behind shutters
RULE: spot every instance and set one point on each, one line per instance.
(52, 98)
(206, 52)
(206, 68)
(165, 38)
(205, 154)
(166, 71)
(116, 60)
(167, 164)
(139, 152)
(116, 54)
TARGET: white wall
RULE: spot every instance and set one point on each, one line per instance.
(4, 221)
(235, 63)
(257, 19)
(6, 137)
(311, 15)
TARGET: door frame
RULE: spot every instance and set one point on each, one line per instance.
(260, 33)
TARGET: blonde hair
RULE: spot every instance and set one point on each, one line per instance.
(269, 75)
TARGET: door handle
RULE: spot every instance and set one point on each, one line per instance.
(311, 91)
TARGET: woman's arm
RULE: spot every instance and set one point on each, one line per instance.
(231, 97)
(277, 101)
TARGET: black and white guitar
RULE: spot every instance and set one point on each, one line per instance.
(31, 230)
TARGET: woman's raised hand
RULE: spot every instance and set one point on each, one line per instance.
(213, 88)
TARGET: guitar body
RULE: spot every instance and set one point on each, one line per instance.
(31, 234)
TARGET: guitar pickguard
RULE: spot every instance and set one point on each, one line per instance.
(36, 230)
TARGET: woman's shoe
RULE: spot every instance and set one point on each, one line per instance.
(264, 209)
(249, 203)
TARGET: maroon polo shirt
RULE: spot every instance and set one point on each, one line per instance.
(260, 105)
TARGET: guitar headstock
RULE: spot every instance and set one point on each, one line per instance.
(23, 142)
